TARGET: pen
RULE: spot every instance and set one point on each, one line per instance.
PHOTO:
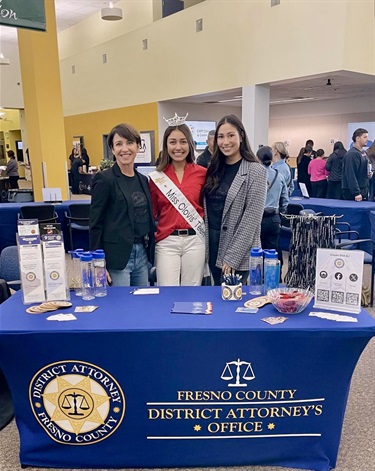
(134, 290)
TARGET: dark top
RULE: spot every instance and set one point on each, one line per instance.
(216, 201)
(355, 172)
(303, 176)
(76, 164)
(86, 160)
(334, 165)
(139, 206)
(204, 159)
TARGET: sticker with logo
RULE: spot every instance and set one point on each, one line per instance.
(76, 403)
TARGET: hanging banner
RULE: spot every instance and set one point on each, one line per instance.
(28, 14)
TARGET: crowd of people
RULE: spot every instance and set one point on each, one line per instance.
(343, 174)
(192, 214)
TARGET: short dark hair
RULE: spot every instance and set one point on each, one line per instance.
(310, 143)
(11, 154)
(319, 152)
(358, 132)
(308, 150)
(165, 159)
(126, 131)
(265, 155)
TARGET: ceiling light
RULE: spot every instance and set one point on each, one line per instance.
(4, 60)
(328, 84)
(291, 100)
(111, 13)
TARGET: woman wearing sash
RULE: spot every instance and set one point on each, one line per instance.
(177, 206)
(234, 197)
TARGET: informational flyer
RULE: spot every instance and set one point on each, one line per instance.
(31, 268)
(54, 262)
(338, 283)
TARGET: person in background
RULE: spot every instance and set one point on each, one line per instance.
(234, 199)
(121, 220)
(310, 143)
(318, 175)
(205, 158)
(12, 170)
(85, 158)
(303, 161)
(371, 157)
(280, 154)
(276, 201)
(75, 172)
(73, 154)
(179, 250)
(334, 166)
(355, 169)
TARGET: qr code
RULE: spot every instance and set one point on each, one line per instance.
(337, 297)
(323, 295)
(352, 298)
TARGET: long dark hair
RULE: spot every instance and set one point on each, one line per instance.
(216, 169)
(165, 159)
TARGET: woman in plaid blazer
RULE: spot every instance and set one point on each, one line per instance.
(234, 200)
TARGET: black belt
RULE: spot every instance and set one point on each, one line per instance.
(270, 212)
(183, 232)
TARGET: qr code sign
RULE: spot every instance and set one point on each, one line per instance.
(352, 298)
(323, 295)
(337, 297)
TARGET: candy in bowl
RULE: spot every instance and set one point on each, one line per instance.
(290, 300)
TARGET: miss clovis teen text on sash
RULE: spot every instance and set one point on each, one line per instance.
(178, 211)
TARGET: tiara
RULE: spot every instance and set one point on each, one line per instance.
(176, 120)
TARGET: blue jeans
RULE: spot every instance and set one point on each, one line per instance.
(136, 271)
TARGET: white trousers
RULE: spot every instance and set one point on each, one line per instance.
(180, 261)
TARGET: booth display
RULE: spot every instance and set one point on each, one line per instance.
(132, 384)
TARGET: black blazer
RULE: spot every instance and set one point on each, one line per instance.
(111, 222)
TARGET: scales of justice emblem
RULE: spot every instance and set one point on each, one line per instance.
(76, 404)
(247, 372)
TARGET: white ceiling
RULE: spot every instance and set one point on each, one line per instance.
(305, 89)
(68, 13)
(314, 88)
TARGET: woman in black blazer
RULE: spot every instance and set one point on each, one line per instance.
(121, 217)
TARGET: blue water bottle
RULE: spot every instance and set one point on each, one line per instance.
(271, 270)
(256, 271)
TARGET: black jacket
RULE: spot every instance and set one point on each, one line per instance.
(334, 165)
(204, 159)
(111, 220)
(355, 173)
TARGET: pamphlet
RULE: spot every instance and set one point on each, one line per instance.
(338, 283)
(196, 307)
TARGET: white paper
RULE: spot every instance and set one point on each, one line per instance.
(338, 282)
(146, 291)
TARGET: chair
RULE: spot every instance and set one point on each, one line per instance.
(9, 267)
(45, 213)
(77, 217)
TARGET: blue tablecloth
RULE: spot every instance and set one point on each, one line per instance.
(9, 216)
(357, 214)
(132, 385)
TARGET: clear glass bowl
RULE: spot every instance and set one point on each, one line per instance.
(290, 300)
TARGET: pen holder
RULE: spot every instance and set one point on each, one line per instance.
(231, 292)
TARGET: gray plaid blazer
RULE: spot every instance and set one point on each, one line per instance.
(242, 216)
